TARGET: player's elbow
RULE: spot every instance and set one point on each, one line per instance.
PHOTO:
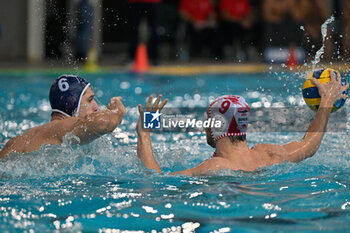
(7, 148)
(299, 158)
(312, 151)
(310, 148)
(304, 151)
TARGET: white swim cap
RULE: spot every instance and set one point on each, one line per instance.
(233, 111)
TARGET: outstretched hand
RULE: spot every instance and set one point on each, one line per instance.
(333, 90)
(157, 106)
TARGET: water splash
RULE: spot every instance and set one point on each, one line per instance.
(320, 52)
(98, 158)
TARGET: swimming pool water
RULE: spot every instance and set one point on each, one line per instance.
(104, 187)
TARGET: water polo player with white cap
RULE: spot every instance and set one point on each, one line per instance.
(233, 113)
(229, 141)
(73, 110)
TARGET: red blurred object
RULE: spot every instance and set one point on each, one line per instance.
(237, 9)
(198, 10)
(141, 59)
(145, 1)
(292, 61)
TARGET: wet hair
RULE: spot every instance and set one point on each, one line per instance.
(235, 139)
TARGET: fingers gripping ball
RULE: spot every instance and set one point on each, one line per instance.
(310, 91)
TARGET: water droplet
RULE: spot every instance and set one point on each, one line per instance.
(124, 85)
(138, 90)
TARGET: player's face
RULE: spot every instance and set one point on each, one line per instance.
(88, 104)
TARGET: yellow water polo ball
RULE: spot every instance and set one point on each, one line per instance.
(310, 92)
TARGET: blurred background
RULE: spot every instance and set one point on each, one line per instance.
(72, 32)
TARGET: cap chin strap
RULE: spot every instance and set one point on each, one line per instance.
(227, 135)
(76, 112)
(59, 111)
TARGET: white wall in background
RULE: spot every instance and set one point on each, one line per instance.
(36, 30)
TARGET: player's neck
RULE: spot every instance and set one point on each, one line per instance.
(226, 149)
(57, 116)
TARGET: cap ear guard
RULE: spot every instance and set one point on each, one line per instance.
(233, 112)
(76, 112)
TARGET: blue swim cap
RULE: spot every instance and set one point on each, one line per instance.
(66, 93)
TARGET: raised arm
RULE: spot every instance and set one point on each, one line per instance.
(99, 123)
(144, 142)
(311, 141)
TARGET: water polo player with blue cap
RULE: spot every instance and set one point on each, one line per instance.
(229, 140)
(74, 110)
(66, 94)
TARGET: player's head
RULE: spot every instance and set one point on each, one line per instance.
(233, 113)
(72, 95)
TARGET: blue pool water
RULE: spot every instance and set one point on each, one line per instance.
(104, 187)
